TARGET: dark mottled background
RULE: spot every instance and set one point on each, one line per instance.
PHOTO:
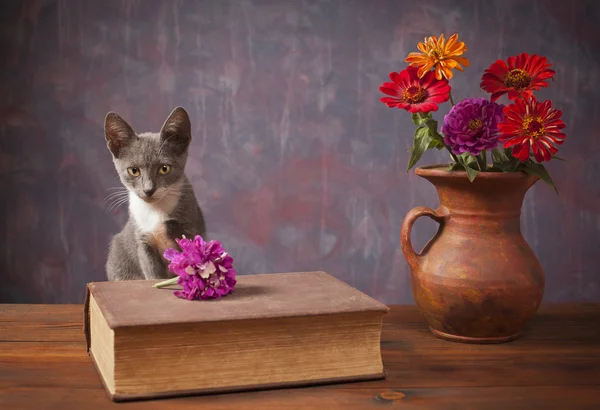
(295, 162)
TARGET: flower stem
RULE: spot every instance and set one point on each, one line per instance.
(168, 282)
(484, 155)
(481, 161)
(451, 154)
(451, 100)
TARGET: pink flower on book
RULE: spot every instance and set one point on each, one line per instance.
(204, 269)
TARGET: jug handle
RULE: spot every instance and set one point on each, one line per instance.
(411, 256)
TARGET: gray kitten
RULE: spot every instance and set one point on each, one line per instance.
(162, 204)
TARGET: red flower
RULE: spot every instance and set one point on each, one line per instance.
(415, 94)
(530, 123)
(518, 76)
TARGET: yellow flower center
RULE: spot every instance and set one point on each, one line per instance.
(475, 124)
(517, 79)
(436, 54)
(533, 127)
(414, 94)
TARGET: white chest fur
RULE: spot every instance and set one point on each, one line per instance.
(149, 217)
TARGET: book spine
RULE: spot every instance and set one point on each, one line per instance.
(86, 318)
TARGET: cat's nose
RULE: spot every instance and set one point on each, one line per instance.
(149, 192)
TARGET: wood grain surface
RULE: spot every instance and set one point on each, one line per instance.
(556, 365)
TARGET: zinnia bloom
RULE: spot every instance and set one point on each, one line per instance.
(442, 55)
(518, 76)
(472, 126)
(205, 270)
(532, 124)
(415, 94)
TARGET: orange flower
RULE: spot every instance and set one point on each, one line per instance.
(442, 55)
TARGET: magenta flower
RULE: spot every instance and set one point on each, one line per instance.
(472, 126)
(205, 270)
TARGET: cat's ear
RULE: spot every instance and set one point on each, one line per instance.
(177, 130)
(117, 133)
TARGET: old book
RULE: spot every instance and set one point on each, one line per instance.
(275, 330)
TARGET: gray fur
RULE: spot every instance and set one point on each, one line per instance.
(134, 253)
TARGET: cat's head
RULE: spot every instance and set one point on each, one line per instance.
(150, 164)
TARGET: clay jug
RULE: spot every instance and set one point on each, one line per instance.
(477, 280)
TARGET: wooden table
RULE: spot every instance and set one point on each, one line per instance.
(556, 365)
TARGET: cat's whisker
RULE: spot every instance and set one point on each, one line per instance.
(111, 206)
(115, 198)
(118, 195)
(118, 192)
(118, 204)
(115, 195)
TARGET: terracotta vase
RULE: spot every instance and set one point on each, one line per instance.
(477, 280)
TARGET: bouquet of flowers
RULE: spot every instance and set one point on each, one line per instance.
(203, 269)
(519, 136)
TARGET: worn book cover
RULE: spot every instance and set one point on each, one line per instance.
(275, 330)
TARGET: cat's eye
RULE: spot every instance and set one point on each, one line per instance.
(164, 169)
(133, 171)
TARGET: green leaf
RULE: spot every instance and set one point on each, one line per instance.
(432, 125)
(421, 142)
(426, 137)
(434, 143)
(416, 118)
(504, 160)
(467, 159)
(553, 157)
(457, 166)
(505, 166)
(499, 156)
(533, 168)
(471, 173)
(419, 118)
(433, 131)
(440, 144)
